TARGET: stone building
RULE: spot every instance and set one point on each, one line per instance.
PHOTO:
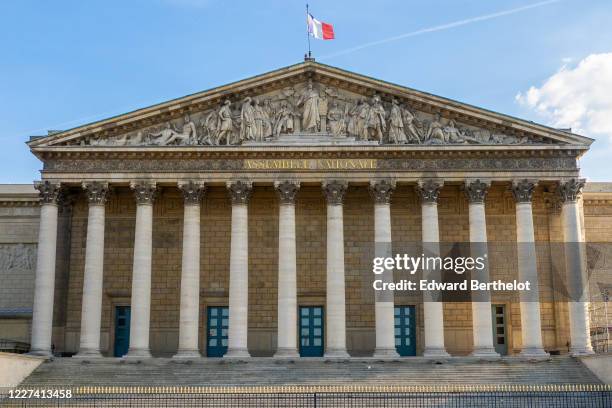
(242, 221)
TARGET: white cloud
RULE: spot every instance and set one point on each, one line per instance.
(579, 97)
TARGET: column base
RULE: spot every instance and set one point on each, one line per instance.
(237, 353)
(534, 353)
(138, 354)
(336, 353)
(286, 353)
(187, 354)
(581, 351)
(86, 354)
(485, 352)
(41, 353)
(435, 353)
(385, 353)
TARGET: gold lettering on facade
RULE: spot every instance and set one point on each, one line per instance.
(306, 164)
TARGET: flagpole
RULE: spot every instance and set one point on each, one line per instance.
(308, 33)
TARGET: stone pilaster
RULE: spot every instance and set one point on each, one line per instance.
(334, 191)
(193, 192)
(575, 265)
(91, 312)
(287, 270)
(428, 191)
(44, 285)
(531, 329)
(240, 192)
(381, 191)
(144, 192)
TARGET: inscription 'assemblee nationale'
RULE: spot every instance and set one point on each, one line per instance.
(310, 164)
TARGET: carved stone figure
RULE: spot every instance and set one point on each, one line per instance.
(283, 122)
(435, 134)
(269, 112)
(410, 129)
(225, 124)
(396, 125)
(165, 136)
(248, 127)
(337, 122)
(209, 126)
(311, 116)
(189, 131)
(352, 119)
(362, 120)
(263, 128)
(376, 123)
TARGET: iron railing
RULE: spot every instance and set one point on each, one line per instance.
(587, 396)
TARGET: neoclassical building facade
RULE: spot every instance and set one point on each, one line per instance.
(241, 221)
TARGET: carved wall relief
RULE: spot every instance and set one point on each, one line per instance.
(310, 108)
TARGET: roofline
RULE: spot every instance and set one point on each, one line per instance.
(305, 65)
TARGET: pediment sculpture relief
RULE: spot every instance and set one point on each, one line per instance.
(310, 109)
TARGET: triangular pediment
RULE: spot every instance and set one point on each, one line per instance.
(309, 104)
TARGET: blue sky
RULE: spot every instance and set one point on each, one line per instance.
(66, 63)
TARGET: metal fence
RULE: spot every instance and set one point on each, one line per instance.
(587, 396)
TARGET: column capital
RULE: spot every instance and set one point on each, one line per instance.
(570, 190)
(381, 190)
(476, 190)
(96, 191)
(144, 191)
(240, 191)
(49, 192)
(334, 191)
(522, 190)
(287, 190)
(193, 191)
(429, 190)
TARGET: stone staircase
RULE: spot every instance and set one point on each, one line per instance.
(67, 372)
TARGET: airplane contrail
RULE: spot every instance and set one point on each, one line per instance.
(440, 28)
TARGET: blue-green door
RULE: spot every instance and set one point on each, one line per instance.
(217, 322)
(405, 330)
(500, 340)
(311, 331)
(122, 330)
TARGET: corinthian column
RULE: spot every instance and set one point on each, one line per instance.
(482, 327)
(193, 192)
(428, 191)
(287, 270)
(91, 312)
(381, 191)
(334, 191)
(141, 272)
(575, 265)
(44, 285)
(531, 329)
(239, 191)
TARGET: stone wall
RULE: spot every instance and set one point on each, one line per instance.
(18, 237)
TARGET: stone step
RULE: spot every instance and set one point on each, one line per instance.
(162, 372)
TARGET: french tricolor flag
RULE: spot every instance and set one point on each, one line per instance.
(319, 29)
